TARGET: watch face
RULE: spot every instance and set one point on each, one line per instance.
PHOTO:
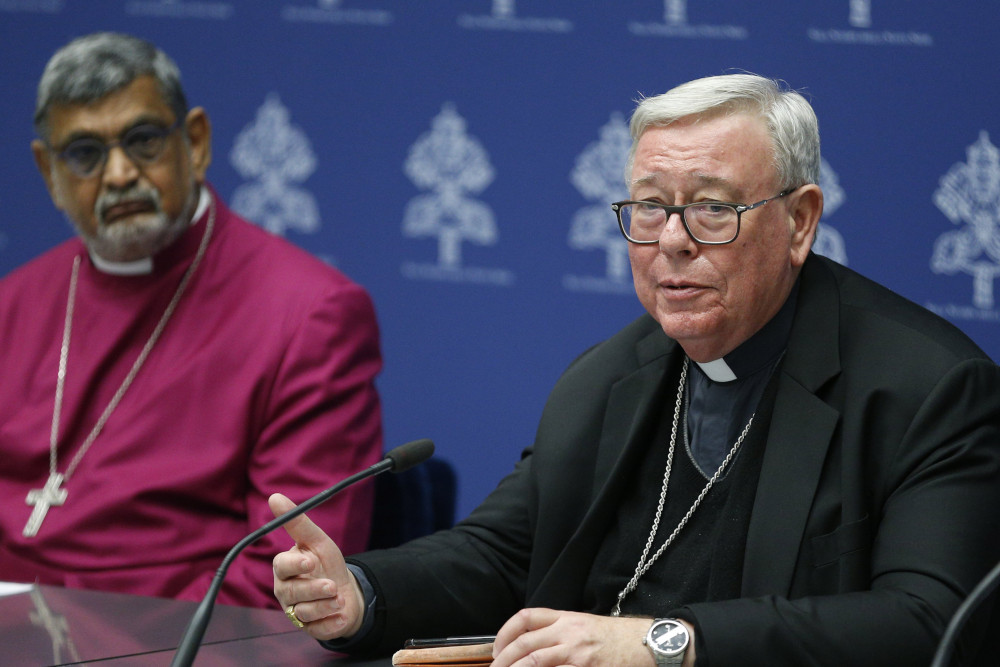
(669, 637)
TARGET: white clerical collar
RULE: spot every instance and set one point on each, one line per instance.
(137, 268)
(717, 371)
(144, 266)
(760, 350)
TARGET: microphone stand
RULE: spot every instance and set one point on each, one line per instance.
(982, 590)
(398, 460)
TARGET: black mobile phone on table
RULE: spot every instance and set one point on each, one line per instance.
(437, 642)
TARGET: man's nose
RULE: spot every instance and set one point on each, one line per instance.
(674, 237)
(119, 169)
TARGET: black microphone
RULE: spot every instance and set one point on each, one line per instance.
(980, 593)
(399, 459)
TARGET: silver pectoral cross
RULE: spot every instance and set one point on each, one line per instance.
(42, 499)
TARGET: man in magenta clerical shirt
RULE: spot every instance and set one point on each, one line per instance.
(172, 364)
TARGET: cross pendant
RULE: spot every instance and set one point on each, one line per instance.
(42, 499)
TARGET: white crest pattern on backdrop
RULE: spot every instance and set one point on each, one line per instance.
(675, 24)
(599, 175)
(861, 31)
(451, 165)
(860, 13)
(503, 16)
(276, 155)
(969, 195)
(829, 242)
(334, 12)
(178, 9)
(33, 6)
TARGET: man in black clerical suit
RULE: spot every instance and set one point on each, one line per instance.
(782, 463)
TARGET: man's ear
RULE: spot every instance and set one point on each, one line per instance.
(43, 160)
(805, 208)
(199, 133)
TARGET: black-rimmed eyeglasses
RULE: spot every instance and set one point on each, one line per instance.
(143, 144)
(709, 223)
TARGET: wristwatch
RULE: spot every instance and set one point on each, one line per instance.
(668, 640)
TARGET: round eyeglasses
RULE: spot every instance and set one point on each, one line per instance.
(708, 223)
(143, 144)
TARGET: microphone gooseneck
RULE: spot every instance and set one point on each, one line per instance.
(397, 460)
(949, 639)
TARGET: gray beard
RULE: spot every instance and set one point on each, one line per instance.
(128, 241)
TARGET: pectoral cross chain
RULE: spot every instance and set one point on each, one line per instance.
(42, 499)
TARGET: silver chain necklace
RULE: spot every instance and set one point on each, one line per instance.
(644, 562)
(53, 494)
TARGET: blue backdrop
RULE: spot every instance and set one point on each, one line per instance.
(457, 158)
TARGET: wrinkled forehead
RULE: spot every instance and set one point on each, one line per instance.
(730, 151)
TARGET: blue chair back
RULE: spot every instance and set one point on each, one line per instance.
(413, 503)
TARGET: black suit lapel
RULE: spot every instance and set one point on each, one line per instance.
(633, 409)
(802, 426)
(801, 429)
(634, 406)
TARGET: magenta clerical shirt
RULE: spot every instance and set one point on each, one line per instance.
(263, 381)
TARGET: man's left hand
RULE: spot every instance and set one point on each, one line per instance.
(546, 637)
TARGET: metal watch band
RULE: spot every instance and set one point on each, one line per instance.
(662, 659)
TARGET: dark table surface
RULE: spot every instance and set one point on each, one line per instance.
(50, 625)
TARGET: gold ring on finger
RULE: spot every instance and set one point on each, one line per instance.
(290, 613)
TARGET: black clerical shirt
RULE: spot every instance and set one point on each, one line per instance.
(704, 562)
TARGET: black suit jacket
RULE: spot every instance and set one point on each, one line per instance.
(877, 508)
